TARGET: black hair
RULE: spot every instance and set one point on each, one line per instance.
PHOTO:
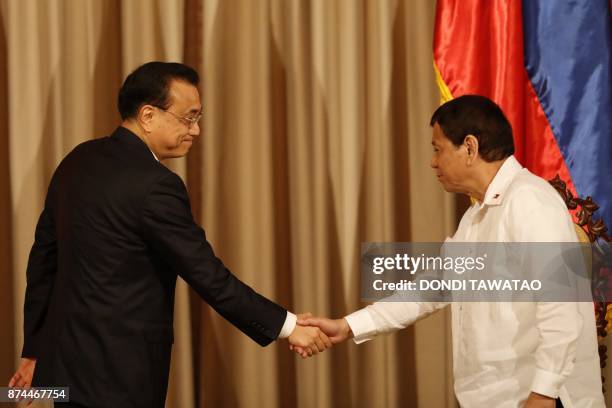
(149, 84)
(478, 116)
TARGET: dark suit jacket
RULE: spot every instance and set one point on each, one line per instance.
(115, 232)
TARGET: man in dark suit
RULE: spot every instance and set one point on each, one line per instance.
(115, 232)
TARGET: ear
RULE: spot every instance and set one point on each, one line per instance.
(145, 117)
(471, 145)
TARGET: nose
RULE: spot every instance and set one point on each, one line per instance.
(433, 163)
(194, 130)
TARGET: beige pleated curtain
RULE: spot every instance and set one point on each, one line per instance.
(315, 138)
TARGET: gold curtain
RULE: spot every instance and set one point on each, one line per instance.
(315, 138)
(7, 340)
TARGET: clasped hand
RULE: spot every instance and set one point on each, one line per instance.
(328, 332)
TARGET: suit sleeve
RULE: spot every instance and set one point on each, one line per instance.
(169, 229)
(40, 275)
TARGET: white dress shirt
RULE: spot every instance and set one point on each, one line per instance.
(290, 320)
(504, 351)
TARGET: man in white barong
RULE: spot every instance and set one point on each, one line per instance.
(505, 355)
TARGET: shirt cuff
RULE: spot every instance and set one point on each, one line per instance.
(362, 325)
(547, 383)
(289, 325)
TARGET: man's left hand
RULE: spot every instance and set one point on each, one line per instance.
(539, 401)
(23, 375)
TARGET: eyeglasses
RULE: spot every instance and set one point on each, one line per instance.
(188, 121)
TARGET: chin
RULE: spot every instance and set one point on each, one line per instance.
(175, 155)
(450, 189)
(181, 151)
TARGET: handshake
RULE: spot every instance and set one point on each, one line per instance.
(316, 334)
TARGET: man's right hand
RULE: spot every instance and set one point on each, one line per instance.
(23, 375)
(338, 330)
(309, 340)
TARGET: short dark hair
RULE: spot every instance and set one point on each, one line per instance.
(149, 84)
(478, 116)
